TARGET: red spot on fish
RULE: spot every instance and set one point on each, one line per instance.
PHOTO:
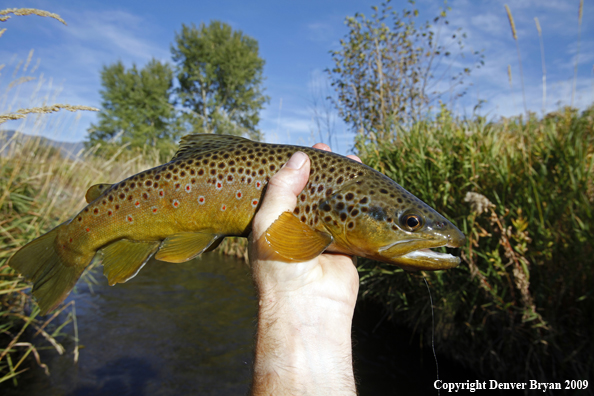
(154, 209)
(109, 212)
(224, 207)
(137, 204)
(238, 194)
(219, 185)
(87, 229)
(188, 188)
(161, 193)
(70, 240)
(201, 200)
(175, 203)
(130, 219)
(254, 203)
(96, 211)
(258, 184)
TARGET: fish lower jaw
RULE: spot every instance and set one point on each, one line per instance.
(432, 254)
(425, 260)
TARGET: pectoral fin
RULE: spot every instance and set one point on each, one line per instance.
(186, 245)
(123, 259)
(95, 191)
(295, 241)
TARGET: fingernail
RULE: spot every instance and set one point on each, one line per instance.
(297, 160)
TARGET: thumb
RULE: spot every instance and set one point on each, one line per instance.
(281, 192)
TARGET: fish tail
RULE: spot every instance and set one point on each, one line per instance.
(53, 275)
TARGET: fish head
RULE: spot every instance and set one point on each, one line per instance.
(378, 219)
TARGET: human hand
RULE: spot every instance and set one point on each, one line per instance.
(305, 309)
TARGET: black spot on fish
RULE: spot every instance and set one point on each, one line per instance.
(343, 217)
(200, 172)
(351, 225)
(383, 191)
(377, 213)
(349, 196)
(213, 172)
(355, 212)
(296, 210)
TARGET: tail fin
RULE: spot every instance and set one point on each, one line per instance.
(52, 276)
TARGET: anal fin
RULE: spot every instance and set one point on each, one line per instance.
(186, 245)
(124, 258)
(295, 241)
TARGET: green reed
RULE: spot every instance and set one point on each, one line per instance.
(40, 189)
(519, 306)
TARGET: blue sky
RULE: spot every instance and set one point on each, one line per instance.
(294, 39)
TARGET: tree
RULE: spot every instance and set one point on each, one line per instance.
(137, 107)
(388, 71)
(220, 76)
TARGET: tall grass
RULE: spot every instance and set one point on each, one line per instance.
(39, 189)
(521, 304)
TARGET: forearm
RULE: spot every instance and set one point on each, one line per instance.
(303, 346)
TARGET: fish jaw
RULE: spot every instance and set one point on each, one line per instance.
(425, 260)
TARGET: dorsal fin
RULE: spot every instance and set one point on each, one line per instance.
(95, 191)
(202, 142)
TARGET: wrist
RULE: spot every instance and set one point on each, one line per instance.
(306, 341)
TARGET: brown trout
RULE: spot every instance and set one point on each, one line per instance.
(211, 189)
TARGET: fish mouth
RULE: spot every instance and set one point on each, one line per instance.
(417, 255)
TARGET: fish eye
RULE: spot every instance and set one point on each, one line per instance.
(412, 222)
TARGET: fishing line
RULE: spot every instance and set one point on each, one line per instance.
(433, 332)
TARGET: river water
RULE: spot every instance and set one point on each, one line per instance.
(188, 329)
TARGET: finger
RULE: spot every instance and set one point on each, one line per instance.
(322, 146)
(281, 192)
(354, 157)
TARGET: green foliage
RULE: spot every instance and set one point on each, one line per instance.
(136, 108)
(520, 305)
(220, 76)
(390, 71)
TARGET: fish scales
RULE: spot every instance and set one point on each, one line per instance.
(212, 188)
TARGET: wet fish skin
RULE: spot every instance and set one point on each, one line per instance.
(212, 188)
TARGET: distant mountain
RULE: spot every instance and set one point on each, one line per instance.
(68, 150)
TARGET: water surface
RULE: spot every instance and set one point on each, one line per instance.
(188, 329)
